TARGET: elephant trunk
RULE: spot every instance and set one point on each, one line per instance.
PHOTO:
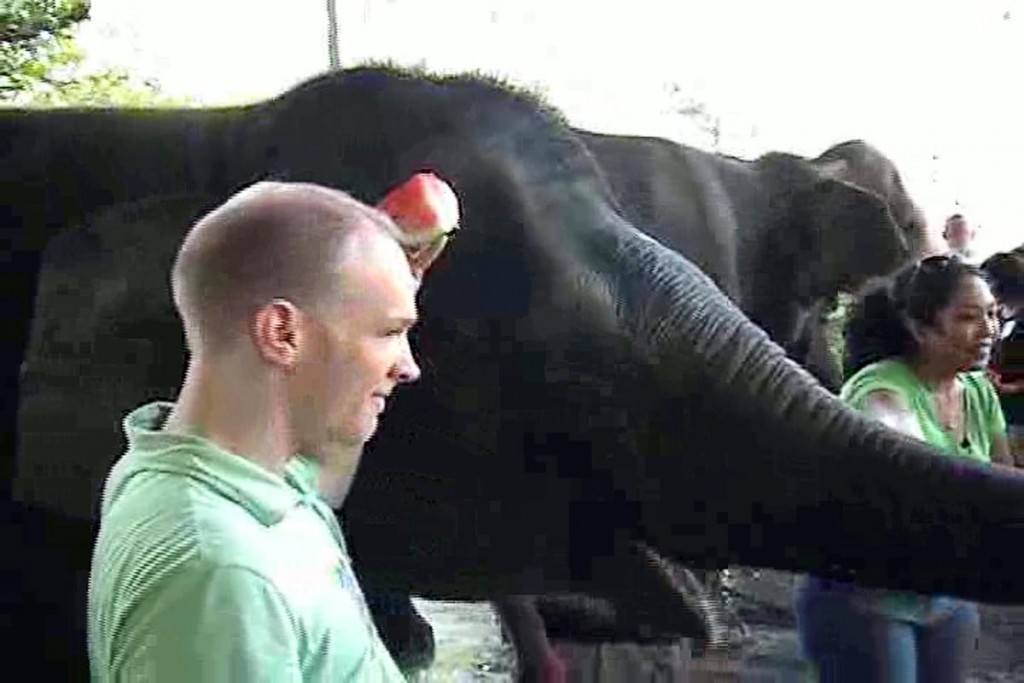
(752, 462)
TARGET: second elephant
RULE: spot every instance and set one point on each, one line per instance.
(781, 235)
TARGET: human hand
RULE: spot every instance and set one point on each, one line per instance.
(1016, 387)
(549, 668)
(421, 259)
(1002, 386)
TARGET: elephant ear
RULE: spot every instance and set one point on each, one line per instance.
(857, 163)
(851, 236)
(835, 168)
(842, 171)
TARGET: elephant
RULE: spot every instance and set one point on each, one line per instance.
(783, 236)
(589, 396)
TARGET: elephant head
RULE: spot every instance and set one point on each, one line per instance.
(844, 236)
(586, 390)
(780, 235)
(820, 227)
(855, 248)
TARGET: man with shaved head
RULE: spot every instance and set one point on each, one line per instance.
(960, 237)
(219, 558)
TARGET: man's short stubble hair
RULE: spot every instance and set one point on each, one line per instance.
(269, 241)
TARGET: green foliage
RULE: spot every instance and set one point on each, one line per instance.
(836, 322)
(110, 88)
(34, 41)
(41, 66)
(23, 21)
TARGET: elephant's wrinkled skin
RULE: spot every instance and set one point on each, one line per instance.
(586, 391)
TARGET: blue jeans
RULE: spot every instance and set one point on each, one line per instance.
(848, 642)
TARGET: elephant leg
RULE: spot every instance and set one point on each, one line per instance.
(44, 570)
(643, 599)
(661, 598)
(536, 659)
(812, 348)
(822, 361)
(407, 635)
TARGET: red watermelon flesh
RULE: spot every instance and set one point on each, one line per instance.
(424, 207)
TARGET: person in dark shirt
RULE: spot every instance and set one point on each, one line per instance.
(1006, 273)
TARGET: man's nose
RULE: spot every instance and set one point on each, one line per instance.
(406, 370)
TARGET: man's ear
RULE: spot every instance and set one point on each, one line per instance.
(277, 333)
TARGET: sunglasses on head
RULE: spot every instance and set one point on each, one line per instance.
(933, 264)
(928, 266)
(939, 261)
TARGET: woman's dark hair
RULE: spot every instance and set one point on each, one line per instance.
(876, 326)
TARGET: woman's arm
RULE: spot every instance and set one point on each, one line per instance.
(1001, 454)
(892, 410)
(1001, 451)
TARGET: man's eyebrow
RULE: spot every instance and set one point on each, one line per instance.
(406, 320)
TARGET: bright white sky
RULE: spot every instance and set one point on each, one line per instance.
(934, 84)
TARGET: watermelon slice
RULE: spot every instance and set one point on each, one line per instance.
(426, 211)
(424, 207)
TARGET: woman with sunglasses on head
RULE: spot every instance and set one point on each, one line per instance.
(916, 349)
